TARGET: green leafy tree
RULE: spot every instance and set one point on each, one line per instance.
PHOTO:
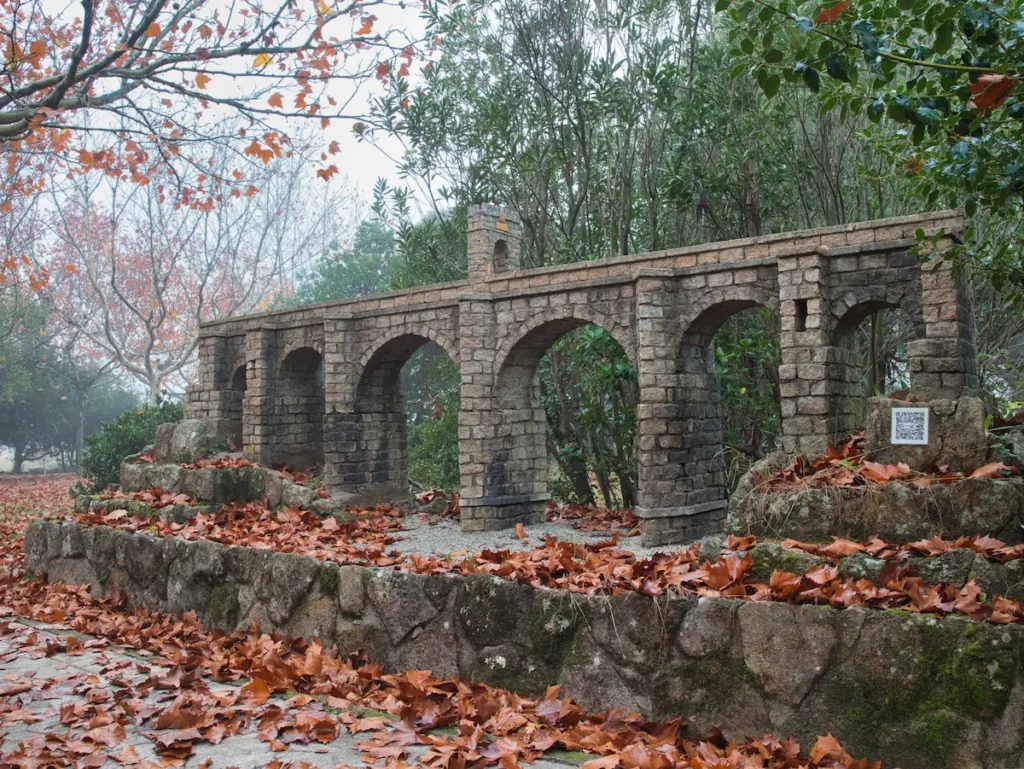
(363, 268)
(939, 79)
(128, 434)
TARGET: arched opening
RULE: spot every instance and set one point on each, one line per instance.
(566, 397)
(406, 411)
(297, 439)
(870, 344)
(729, 392)
(499, 259)
(238, 379)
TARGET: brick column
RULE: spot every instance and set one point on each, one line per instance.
(808, 381)
(258, 404)
(945, 362)
(339, 388)
(198, 395)
(681, 496)
(493, 237)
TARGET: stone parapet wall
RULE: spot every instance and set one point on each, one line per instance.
(340, 406)
(913, 690)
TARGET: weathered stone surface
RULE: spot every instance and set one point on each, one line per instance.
(770, 556)
(1006, 579)
(916, 691)
(956, 434)
(860, 566)
(953, 567)
(282, 582)
(787, 648)
(189, 442)
(894, 511)
(162, 442)
(400, 601)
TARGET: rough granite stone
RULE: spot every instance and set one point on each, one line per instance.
(956, 434)
(189, 441)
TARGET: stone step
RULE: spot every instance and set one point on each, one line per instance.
(913, 690)
(215, 486)
(894, 511)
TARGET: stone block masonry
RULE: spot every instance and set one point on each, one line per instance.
(321, 384)
(912, 690)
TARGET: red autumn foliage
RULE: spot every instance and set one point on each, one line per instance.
(991, 90)
(845, 465)
(832, 12)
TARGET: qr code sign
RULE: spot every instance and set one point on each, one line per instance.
(909, 426)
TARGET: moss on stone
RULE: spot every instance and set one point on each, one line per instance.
(712, 684)
(551, 626)
(956, 678)
(329, 579)
(770, 557)
(222, 608)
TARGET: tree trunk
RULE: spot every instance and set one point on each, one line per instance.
(83, 403)
(19, 458)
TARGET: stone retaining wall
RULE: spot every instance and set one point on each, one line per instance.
(896, 512)
(910, 689)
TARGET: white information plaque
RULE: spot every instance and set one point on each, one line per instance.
(909, 426)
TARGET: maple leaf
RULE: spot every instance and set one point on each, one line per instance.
(367, 25)
(275, 101)
(990, 91)
(153, 30)
(831, 13)
(327, 173)
(993, 470)
(202, 79)
(262, 60)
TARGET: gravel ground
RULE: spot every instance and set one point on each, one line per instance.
(445, 537)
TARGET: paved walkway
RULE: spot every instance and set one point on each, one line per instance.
(72, 700)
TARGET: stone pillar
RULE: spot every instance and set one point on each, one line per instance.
(258, 404)
(808, 393)
(493, 238)
(681, 494)
(198, 395)
(214, 399)
(945, 362)
(502, 455)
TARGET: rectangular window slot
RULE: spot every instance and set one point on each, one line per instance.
(801, 314)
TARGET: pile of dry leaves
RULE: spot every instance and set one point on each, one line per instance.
(844, 464)
(594, 518)
(589, 569)
(487, 726)
(155, 498)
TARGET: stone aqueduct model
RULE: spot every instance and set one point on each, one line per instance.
(321, 384)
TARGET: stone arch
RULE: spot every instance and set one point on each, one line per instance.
(378, 455)
(694, 441)
(516, 472)
(298, 408)
(843, 374)
(292, 346)
(394, 333)
(548, 326)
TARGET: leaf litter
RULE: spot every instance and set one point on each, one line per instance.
(489, 726)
